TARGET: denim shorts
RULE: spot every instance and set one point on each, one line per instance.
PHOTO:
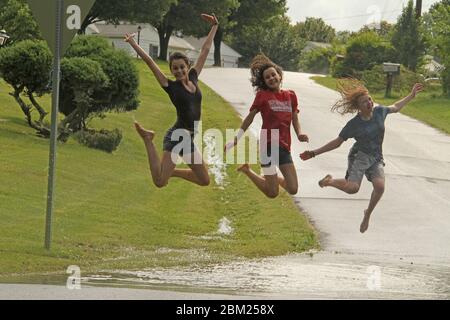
(183, 138)
(360, 164)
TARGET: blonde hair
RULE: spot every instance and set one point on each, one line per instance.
(351, 90)
(259, 64)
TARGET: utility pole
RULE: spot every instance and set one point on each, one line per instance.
(418, 9)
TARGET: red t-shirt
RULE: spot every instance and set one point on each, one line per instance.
(276, 110)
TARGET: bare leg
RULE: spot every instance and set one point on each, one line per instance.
(198, 174)
(289, 181)
(347, 186)
(153, 158)
(267, 184)
(377, 193)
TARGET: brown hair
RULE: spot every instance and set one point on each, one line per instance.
(259, 64)
(178, 56)
(351, 90)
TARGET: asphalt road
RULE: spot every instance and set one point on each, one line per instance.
(413, 217)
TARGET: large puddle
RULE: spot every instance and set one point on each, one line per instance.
(300, 276)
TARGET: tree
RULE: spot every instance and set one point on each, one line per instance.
(221, 8)
(26, 67)
(249, 13)
(438, 37)
(363, 51)
(182, 15)
(384, 29)
(118, 93)
(81, 78)
(408, 38)
(275, 38)
(315, 29)
(233, 16)
(17, 20)
(114, 11)
(342, 37)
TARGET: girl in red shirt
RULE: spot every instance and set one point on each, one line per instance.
(278, 108)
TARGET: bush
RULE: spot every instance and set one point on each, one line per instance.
(316, 61)
(375, 80)
(103, 140)
(27, 64)
(363, 52)
(121, 93)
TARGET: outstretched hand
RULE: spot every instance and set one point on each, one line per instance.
(307, 155)
(212, 19)
(129, 37)
(418, 87)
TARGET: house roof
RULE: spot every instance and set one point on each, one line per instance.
(113, 31)
(311, 45)
(226, 50)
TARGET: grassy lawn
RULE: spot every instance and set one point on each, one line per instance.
(429, 106)
(108, 214)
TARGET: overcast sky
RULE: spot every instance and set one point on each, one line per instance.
(349, 14)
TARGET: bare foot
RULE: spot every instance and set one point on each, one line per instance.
(365, 223)
(145, 134)
(244, 168)
(324, 181)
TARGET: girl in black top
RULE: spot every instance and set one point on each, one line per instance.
(186, 97)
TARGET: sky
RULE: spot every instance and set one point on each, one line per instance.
(349, 14)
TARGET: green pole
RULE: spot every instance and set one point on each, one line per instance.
(54, 125)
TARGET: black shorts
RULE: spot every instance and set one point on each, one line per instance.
(268, 160)
(184, 138)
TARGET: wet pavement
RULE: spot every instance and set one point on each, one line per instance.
(300, 276)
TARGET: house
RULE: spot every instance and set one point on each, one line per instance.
(230, 57)
(148, 39)
(431, 67)
(312, 45)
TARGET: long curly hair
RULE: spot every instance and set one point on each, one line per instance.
(259, 64)
(351, 90)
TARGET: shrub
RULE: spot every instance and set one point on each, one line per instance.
(375, 80)
(316, 61)
(363, 52)
(103, 140)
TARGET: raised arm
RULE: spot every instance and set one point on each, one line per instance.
(333, 144)
(208, 42)
(162, 79)
(244, 126)
(396, 107)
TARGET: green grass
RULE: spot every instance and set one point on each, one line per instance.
(429, 106)
(109, 215)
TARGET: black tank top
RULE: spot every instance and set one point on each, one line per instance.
(188, 104)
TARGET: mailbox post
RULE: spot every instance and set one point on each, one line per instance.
(390, 69)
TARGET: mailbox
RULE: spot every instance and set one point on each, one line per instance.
(392, 68)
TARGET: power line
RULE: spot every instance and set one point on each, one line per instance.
(360, 15)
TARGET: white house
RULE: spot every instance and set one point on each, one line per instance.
(149, 40)
(312, 45)
(229, 56)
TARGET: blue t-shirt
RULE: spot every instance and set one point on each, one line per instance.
(369, 134)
